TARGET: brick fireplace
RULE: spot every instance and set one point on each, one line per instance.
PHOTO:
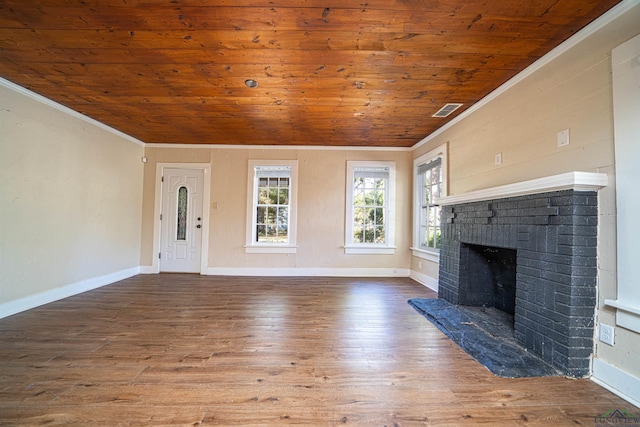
(529, 248)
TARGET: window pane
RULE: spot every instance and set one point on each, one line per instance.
(379, 216)
(263, 196)
(431, 219)
(369, 232)
(260, 217)
(271, 214)
(283, 217)
(379, 237)
(284, 182)
(369, 182)
(273, 196)
(369, 217)
(181, 233)
(261, 233)
(435, 176)
(283, 198)
(431, 237)
(366, 197)
(378, 198)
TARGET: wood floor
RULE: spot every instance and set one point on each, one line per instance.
(191, 350)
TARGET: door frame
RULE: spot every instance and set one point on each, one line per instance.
(206, 209)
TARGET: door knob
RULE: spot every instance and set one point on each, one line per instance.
(198, 226)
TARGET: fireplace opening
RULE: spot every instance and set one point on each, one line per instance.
(490, 280)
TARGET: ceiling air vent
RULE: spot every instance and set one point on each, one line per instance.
(446, 110)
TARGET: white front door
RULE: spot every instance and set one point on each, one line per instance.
(181, 221)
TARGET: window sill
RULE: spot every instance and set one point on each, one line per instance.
(627, 316)
(255, 249)
(370, 250)
(432, 256)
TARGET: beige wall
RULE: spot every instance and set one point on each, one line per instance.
(574, 92)
(70, 200)
(321, 207)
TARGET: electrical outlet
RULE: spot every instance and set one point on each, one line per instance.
(563, 138)
(607, 334)
(420, 265)
(498, 159)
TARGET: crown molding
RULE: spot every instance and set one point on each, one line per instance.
(279, 147)
(53, 104)
(605, 19)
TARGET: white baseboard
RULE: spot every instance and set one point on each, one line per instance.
(616, 381)
(428, 281)
(32, 301)
(304, 272)
(148, 269)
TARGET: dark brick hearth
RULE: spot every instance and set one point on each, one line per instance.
(555, 238)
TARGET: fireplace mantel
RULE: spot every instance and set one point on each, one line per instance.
(578, 181)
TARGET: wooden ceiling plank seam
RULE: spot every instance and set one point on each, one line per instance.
(461, 6)
(266, 18)
(289, 40)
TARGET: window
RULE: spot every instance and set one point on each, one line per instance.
(370, 212)
(272, 206)
(429, 184)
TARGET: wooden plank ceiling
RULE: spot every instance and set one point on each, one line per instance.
(329, 72)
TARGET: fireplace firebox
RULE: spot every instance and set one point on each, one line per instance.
(490, 279)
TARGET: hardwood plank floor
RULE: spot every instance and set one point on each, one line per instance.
(177, 349)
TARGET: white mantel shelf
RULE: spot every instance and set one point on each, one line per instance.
(578, 181)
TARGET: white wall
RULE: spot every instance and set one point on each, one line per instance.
(70, 203)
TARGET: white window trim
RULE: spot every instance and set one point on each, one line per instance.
(416, 249)
(253, 247)
(390, 207)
